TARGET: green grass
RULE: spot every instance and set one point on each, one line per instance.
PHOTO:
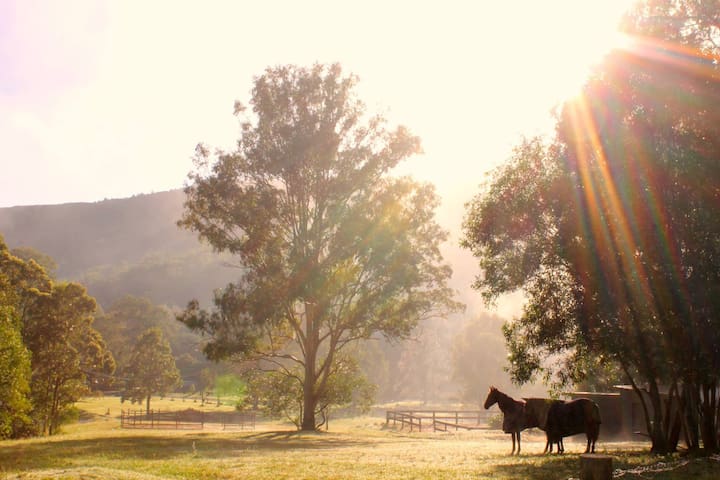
(359, 448)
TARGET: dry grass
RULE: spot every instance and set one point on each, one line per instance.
(360, 448)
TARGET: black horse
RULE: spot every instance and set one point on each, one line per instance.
(515, 416)
(570, 418)
(538, 409)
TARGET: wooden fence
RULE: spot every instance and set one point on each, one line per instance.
(187, 419)
(438, 420)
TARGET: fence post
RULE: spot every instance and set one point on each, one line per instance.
(457, 420)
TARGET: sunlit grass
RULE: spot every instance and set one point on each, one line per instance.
(358, 448)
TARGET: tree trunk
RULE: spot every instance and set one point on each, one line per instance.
(312, 341)
(308, 421)
(708, 428)
(147, 405)
(691, 415)
(658, 434)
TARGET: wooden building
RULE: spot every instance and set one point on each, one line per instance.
(621, 413)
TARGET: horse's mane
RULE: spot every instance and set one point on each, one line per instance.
(504, 400)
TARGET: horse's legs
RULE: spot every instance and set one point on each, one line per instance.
(513, 440)
(518, 435)
(561, 446)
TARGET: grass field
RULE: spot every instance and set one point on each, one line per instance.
(359, 448)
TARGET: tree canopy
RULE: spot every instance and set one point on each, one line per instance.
(151, 369)
(49, 353)
(611, 228)
(332, 249)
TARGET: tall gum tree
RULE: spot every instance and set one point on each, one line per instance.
(611, 229)
(332, 249)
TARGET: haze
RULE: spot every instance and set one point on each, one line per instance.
(107, 99)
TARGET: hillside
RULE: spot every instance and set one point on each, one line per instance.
(84, 235)
(121, 246)
(133, 247)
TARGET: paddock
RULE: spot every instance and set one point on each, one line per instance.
(438, 420)
(188, 419)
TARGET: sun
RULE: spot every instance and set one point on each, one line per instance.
(567, 39)
(586, 35)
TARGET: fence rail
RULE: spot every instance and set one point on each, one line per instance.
(187, 419)
(439, 420)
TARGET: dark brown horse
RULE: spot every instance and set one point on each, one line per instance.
(538, 409)
(515, 417)
(570, 418)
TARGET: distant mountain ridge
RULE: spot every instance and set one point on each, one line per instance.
(80, 236)
(121, 246)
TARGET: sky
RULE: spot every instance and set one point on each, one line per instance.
(108, 98)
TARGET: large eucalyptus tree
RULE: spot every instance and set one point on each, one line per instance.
(333, 249)
(612, 229)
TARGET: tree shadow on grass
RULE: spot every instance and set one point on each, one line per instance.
(540, 467)
(55, 452)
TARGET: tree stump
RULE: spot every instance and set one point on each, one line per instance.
(595, 467)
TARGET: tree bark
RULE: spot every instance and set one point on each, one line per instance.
(708, 428)
(658, 434)
(312, 341)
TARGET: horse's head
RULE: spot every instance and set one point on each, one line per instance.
(492, 398)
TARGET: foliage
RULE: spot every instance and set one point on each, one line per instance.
(478, 348)
(125, 319)
(14, 372)
(333, 250)
(129, 316)
(279, 394)
(151, 369)
(231, 386)
(45, 261)
(47, 345)
(65, 348)
(26, 281)
(167, 278)
(612, 231)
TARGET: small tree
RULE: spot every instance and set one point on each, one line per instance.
(206, 381)
(151, 370)
(231, 387)
(281, 394)
(65, 348)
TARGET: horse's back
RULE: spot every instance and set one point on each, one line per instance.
(537, 411)
(590, 410)
(571, 418)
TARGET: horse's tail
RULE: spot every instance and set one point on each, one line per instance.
(595, 413)
(593, 426)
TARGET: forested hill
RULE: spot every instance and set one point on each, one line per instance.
(133, 246)
(83, 235)
(121, 246)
